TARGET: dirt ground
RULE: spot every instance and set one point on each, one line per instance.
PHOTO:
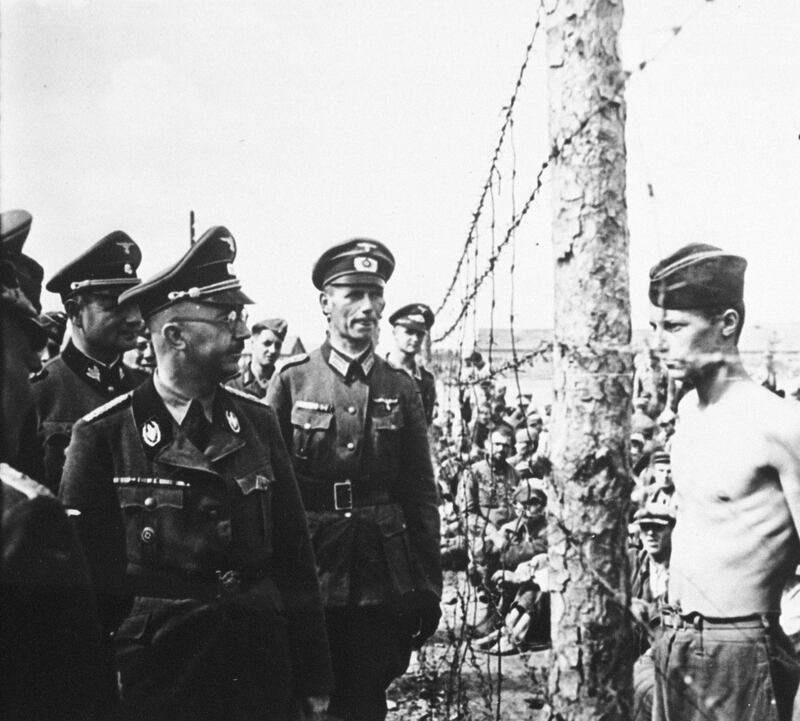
(453, 680)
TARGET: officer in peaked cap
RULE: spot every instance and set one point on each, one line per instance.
(90, 370)
(357, 435)
(410, 325)
(187, 498)
(266, 341)
(52, 663)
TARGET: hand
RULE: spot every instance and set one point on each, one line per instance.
(313, 708)
(420, 617)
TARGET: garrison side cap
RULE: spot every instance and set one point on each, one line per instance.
(277, 325)
(354, 262)
(204, 274)
(697, 276)
(110, 263)
(20, 276)
(416, 316)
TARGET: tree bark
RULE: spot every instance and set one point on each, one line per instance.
(592, 650)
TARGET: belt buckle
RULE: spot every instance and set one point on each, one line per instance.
(343, 496)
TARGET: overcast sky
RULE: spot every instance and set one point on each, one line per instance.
(300, 124)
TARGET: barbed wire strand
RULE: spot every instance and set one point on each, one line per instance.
(554, 155)
(509, 108)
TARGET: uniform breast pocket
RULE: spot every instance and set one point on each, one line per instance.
(310, 428)
(153, 523)
(252, 509)
(387, 423)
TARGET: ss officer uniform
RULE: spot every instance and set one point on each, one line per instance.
(358, 440)
(419, 317)
(71, 385)
(201, 521)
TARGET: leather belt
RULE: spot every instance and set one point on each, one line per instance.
(698, 621)
(339, 496)
(202, 584)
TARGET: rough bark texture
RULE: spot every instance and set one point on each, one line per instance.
(591, 674)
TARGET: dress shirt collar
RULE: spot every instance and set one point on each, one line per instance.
(177, 403)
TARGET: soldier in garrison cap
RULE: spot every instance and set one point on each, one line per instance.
(735, 462)
(189, 502)
(90, 371)
(266, 341)
(410, 325)
(51, 664)
(357, 434)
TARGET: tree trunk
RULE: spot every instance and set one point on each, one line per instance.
(592, 649)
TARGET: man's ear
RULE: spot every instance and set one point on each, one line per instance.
(173, 334)
(730, 322)
(72, 307)
(324, 303)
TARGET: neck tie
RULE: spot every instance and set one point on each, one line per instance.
(355, 372)
(196, 426)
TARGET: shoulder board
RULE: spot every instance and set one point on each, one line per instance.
(244, 394)
(40, 375)
(20, 482)
(292, 360)
(106, 408)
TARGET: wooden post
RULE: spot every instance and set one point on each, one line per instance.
(592, 648)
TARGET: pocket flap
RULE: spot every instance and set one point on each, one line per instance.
(311, 419)
(257, 481)
(391, 421)
(133, 628)
(149, 497)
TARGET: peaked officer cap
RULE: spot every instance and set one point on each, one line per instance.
(277, 325)
(20, 276)
(698, 276)
(656, 513)
(110, 263)
(204, 274)
(416, 316)
(357, 261)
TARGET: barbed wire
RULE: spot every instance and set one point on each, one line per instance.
(495, 155)
(554, 155)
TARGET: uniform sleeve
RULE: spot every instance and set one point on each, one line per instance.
(279, 399)
(420, 499)
(87, 490)
(50, 623)
(296, 576)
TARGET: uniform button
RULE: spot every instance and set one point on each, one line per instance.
(148, 534)
(150, 502)
(352, 410)
(307, 426)
(351, 445)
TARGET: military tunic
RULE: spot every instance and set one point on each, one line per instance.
(69, 387)
(52, 663)
(213, 546)
(364, 437)
(357, 435)
(246, 381)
